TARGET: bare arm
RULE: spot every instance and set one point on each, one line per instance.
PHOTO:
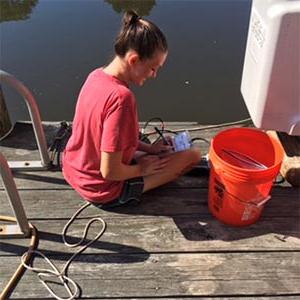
(112, 167)
(154, 148)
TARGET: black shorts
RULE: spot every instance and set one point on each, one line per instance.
(131, 194)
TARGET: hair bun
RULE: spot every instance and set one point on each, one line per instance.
(130, 18)
(140, 35)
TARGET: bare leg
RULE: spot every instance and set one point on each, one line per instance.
(179, 164)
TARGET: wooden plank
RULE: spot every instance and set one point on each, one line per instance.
(21, 144)
(54, 180)
(130, 234)
(47, 204)
(180, 218)
(169, 246)
(39, 180)
(294, 297)
(174, 275)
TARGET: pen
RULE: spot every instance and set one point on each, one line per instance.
(161, 135)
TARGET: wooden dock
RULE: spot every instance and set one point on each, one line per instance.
(168, 247)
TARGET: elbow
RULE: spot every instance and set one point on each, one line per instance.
(108, 174)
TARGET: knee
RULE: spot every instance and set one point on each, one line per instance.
(191, 156)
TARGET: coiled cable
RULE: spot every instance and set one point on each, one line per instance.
(54, 271)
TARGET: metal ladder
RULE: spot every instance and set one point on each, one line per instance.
(34, 113)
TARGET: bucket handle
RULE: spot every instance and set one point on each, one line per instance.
(263, 201)
(256, 204)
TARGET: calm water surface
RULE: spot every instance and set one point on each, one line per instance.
(52, 45)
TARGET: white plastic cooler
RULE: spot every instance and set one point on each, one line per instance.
(271, 75)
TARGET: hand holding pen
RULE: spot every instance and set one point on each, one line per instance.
(165, 145)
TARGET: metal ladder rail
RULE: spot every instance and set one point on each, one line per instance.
(21, 229)
(34, 113)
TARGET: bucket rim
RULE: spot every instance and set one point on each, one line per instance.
(241, 170)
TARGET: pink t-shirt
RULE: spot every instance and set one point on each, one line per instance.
(105, 120)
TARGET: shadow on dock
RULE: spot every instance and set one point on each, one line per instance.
(201, 226)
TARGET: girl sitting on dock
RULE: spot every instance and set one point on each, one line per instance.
(104, 161)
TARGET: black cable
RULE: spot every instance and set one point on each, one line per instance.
(145, 136)
(200, 139)
(151, 120)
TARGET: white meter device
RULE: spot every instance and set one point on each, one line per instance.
(271, 74)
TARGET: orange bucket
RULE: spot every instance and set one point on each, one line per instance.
(244, 164)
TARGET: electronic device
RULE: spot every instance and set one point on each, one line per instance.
(182, 141)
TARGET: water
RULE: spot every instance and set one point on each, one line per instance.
(52, 45)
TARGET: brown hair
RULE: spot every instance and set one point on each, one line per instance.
(139, 35)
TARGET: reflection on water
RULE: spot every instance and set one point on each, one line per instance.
(142, 8)
(13, 10)
(62, 41)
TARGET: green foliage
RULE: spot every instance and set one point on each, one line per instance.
(12, 10)
(141, 7)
